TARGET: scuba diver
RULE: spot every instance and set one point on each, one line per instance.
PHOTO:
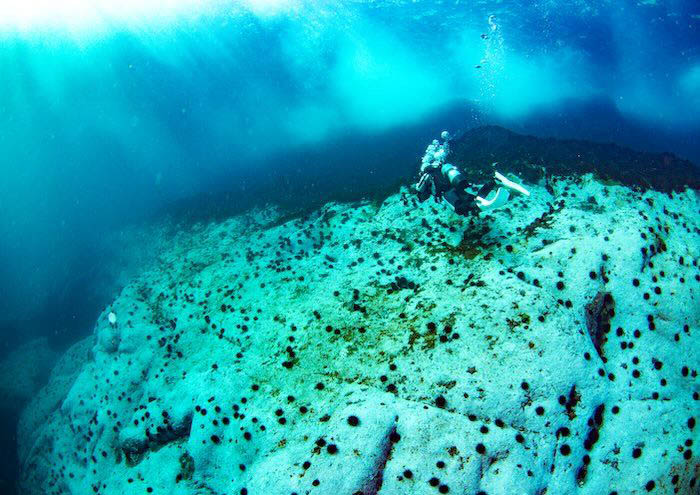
(445, 181)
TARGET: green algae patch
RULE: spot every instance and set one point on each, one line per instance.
(522, 319)
(186, 466)
(471, 245)
(591, 205)
(428, 339)
(544, 221)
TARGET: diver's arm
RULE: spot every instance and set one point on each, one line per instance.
(425, 186)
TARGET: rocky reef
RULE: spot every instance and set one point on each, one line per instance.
(393, 347)
(533, 158)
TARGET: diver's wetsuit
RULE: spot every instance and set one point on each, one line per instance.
(458, 192)
(445, 181)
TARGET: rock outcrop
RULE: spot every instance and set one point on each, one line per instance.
(394, 348)
(533, 158)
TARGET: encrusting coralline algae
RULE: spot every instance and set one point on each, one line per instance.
(394, 348)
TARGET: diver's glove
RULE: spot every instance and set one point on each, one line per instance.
(425, 187)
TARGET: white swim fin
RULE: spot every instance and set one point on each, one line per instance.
(493, 200)
(510, 184)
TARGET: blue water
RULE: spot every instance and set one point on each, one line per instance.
(112, 117)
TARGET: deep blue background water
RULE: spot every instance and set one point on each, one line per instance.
(102, 127)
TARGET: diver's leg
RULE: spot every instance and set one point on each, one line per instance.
(487, 188)
(463, 204)
(424, 187)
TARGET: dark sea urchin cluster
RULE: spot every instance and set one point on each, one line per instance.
(396, 348)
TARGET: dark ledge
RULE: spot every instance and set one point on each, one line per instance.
(527, 156)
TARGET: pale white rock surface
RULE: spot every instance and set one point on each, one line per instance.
(49, 398)
(549, 347)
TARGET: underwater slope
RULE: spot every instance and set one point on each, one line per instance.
(394, 348)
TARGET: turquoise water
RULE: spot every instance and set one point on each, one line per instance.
(116, 114)
(100, 110)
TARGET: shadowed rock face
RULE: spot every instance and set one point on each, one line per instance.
(23, 372)
(532, 157)
(598, 314)
(373, 167)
